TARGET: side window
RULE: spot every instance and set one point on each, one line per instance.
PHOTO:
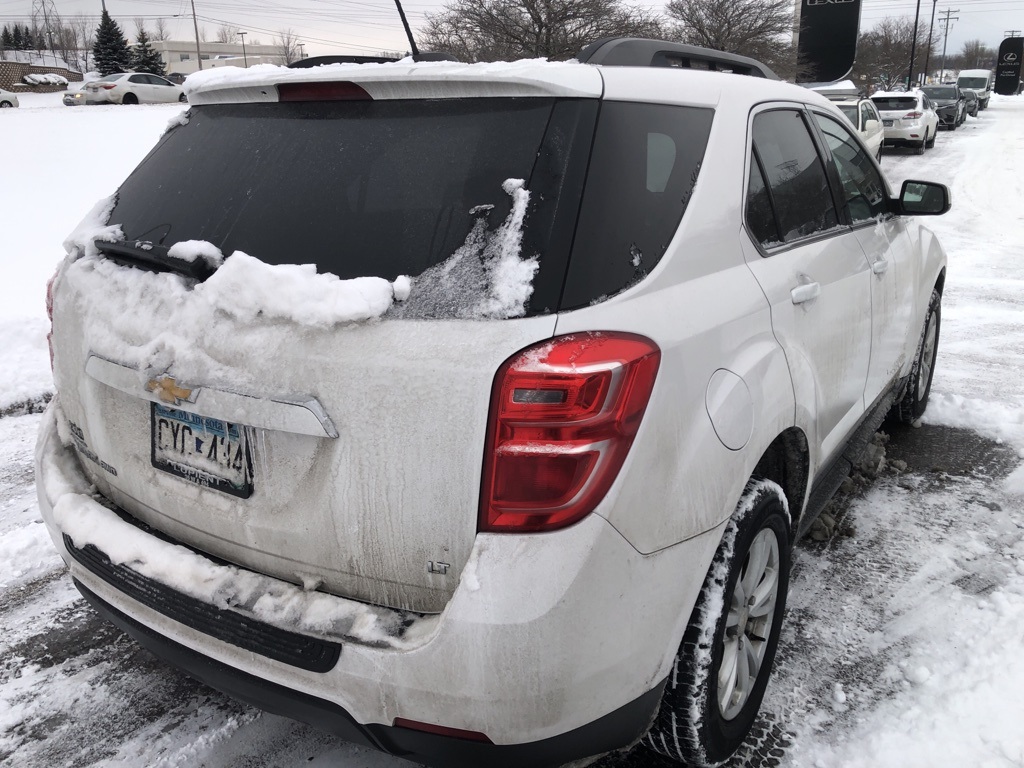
(140, 79)
(643, 170)
(863, 188)
(794, 174)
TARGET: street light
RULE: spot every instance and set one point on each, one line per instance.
(245, 60)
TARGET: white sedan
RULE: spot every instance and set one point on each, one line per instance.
(132, 88)
(7, 99)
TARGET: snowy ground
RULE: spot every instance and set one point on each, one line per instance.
(904, 635)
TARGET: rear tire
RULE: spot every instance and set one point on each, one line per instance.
(6, 105)
(130, 98)
(930, 143)
(722, 668)
(915, 399)
(920, 148)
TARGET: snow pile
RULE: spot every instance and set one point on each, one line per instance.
(45, 79)
(195, 250)
(485, 278)
(24, 353)
(82, 241)
(269, 600)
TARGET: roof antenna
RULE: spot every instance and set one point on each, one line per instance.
(408, 32)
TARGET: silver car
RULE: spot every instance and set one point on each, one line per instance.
(132, 88)
(909, 119)
(7, 99)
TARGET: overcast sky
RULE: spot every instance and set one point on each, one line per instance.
(371, 26)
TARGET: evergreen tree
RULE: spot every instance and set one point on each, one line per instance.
(110, 51)
(17, 41)
(144, 58)
(6, 39)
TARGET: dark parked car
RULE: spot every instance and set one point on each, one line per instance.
(950, 104)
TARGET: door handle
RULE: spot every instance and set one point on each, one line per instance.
(805, 292)
(880, 267)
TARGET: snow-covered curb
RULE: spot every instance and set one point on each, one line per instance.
(76, 512)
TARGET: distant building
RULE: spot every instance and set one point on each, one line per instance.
(179, 56)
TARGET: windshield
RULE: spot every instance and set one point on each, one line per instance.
(937, 92)
(850, 111)
(980, 83)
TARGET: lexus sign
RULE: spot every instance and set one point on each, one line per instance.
(1011, 52)
(827, 42)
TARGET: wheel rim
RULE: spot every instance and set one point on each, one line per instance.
(924, 373)
(748, 624)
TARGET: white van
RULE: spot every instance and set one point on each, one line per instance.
(979, 81)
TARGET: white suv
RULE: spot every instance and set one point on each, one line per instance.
(909, 119)
(536, 501)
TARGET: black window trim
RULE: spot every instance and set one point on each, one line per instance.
(844, 226)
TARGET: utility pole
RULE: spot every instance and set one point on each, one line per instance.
(195, 24)
(928, 53)
(913, 48)
(302, 50)
(945, 37)
(245, 60)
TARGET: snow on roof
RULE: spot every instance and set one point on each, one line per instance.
(403, 79)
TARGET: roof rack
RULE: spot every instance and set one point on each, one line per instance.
(638, 52)
(317, 61)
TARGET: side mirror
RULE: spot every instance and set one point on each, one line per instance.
(870, 125)
(924, 198)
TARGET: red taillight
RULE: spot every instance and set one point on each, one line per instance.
(563, 417)
(49, 314)
(441, 730)
(913, 115)
(108, 86)
(331, 91)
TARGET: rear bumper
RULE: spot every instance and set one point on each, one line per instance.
(904, 136)
(555, 647)
(622, 726)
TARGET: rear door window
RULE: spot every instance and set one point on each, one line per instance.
(894, 103)
(795, 175)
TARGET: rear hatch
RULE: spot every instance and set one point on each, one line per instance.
(325, 445)
(326, 424)
(896, 110)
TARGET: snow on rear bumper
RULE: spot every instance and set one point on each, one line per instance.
(544, 635)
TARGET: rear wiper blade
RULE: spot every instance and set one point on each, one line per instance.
(151, 257)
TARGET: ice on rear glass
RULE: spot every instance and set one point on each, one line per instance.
(486, 278)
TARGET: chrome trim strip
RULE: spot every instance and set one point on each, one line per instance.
(298, 416)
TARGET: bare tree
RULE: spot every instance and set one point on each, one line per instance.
(494, 30)
(288, 45)
(227, 33)
(760, 29)
(140, 26)
(974, 55)
(161, 32)
(883, 52)
(85, 36)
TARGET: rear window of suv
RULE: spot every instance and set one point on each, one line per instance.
(892, 103)
(388, 188)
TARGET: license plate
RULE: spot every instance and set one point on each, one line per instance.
(887, 123)
(202, 450)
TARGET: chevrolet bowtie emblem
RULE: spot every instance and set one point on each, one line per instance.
(167, 389)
